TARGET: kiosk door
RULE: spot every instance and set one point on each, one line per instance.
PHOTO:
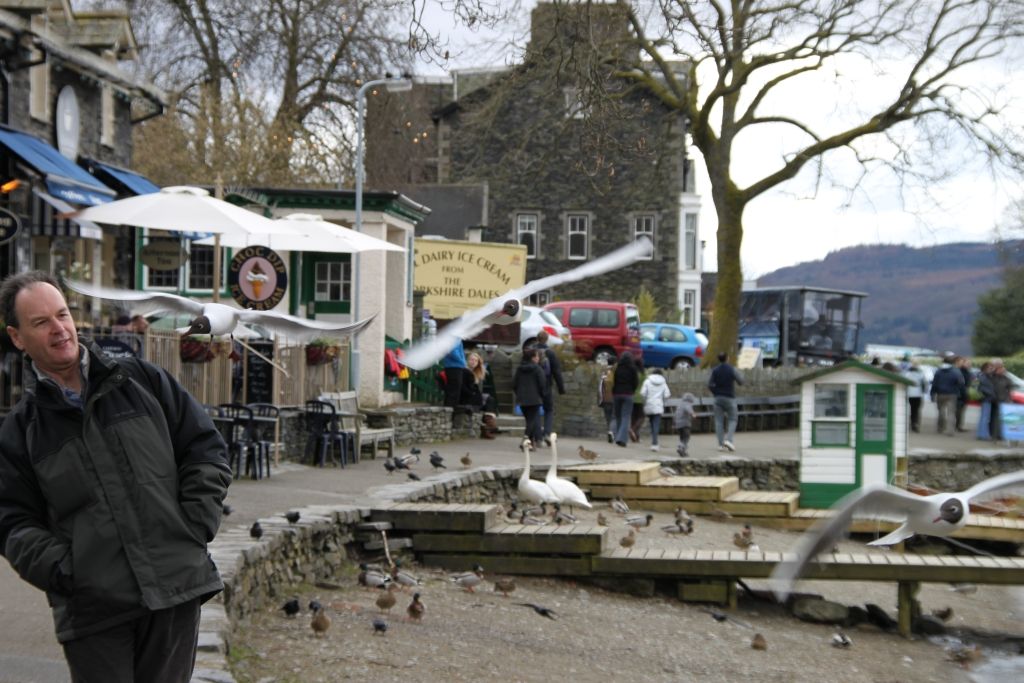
(874, 434)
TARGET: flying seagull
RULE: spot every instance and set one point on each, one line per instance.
(937, 515)
(507, 308)
(218, 319)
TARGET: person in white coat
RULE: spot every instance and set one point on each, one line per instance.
(654, 392)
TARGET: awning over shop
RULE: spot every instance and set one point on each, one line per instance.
(49, 219)
(132, 182)
(64, 179)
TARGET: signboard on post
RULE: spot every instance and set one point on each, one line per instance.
(456, 276)
(749, 358)
(10, 224)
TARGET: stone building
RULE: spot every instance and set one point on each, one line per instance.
(66, 115)
(563, 155)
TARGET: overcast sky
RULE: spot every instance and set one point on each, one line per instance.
(803, 220)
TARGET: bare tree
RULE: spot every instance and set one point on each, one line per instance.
(745, 57)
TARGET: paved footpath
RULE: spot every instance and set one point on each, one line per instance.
(29, 652)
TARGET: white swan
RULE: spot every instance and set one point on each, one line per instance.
(533, 491)
(567, 492)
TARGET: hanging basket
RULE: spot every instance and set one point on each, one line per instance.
(195, 351)
(321, 355)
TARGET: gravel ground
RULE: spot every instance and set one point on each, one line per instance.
(600, 635)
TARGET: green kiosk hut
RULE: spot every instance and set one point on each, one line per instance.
(853, 430)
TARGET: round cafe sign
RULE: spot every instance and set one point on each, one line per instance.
(257, 278)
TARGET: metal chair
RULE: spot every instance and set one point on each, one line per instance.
(266, 411)
(324, 433)
(242, 446)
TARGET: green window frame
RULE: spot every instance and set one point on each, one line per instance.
(826, 434)
(327, 283)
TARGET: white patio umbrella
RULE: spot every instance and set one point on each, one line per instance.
(179, 209)
(307, 232)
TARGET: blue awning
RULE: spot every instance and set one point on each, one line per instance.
(132, 181)
(64, 179)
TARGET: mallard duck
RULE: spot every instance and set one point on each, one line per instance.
(619, 505)
(505, 585)
(676, 528)
(601, 519)
(530, 521)
(587, 454)
(629, 540)
(530, 490)
(718, 514)
(386, 600)
(747, 531)
(640, 521)
(758, 642)
(403, 577)
(558, 516)
(469, 580)
(466, 460)
(683, 516)
(416, 608)
(741, 541)
(372, 578)
(320, 622)
(946, 613)
(408, 459)
(564, 490)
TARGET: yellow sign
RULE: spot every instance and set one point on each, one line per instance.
(457, 276)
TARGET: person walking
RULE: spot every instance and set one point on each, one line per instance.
(112, 482)
(636, 418)
(625, 381)
(988, 401)
(529, 384)
(915, 392)
(963, 365)
(604, 399)
(1001, 387)
(553, 378)
(722, 384)
(946, 386)
(655, 391)
(682, 421)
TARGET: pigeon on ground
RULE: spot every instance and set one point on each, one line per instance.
(217, 319)
(256, 531)
(291, 607)
(437, 461)
(414, 451)
(314, 605)
(292, 516)
(939, 514)
(945, 614)
(226, 510)
(414, 476)
(721, 616)
(507, 308)
(380, 627)
(389, 465)
(539, 609)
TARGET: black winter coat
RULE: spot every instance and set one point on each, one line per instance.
(109, 508)
(626, 379)
(529, 384)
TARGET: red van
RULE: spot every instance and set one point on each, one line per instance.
(601, 330)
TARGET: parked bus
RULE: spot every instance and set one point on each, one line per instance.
(801, 325)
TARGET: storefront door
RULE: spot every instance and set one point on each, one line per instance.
(874, 434)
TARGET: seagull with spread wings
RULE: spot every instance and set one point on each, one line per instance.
(507, 308)
(940, 514)
(218, 319)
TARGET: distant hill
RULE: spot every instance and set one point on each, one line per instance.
(918, 296)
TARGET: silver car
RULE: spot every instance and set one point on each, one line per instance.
(536, 319)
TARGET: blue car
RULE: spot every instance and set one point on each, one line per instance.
(668, 345)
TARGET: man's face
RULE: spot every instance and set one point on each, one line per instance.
(46, 331)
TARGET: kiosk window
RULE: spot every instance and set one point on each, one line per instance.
(831, 434)
(831, 400)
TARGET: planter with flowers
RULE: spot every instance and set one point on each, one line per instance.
(321, 351)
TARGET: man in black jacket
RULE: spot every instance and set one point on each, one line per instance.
(553, 378)
(947, 384)
(112, 481)
(722, 384)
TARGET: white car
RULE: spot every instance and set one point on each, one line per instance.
(536, 319)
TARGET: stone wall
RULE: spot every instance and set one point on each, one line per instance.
(956, 472)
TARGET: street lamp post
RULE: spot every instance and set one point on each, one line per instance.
(391, 84)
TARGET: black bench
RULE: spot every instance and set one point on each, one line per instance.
(755, 413)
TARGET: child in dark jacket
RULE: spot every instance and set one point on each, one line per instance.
(682, 420)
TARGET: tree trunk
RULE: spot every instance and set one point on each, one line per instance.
(725, 315)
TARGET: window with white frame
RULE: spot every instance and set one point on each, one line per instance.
(577, 229)
(526, 232)
(691, 241)
(643, 226)
(107, 116)
(333, 281)
(540, 298)
(689, 302)
(197, 271)
(575, 108)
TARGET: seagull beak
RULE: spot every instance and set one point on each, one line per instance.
(937, 519)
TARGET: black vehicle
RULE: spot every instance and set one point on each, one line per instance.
(801, 325)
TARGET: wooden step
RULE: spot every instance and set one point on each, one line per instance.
(979, 527)
(525, 565)
(672, 488)
(761, 503)
(437, 516)
(575, 539)
(613, 473)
